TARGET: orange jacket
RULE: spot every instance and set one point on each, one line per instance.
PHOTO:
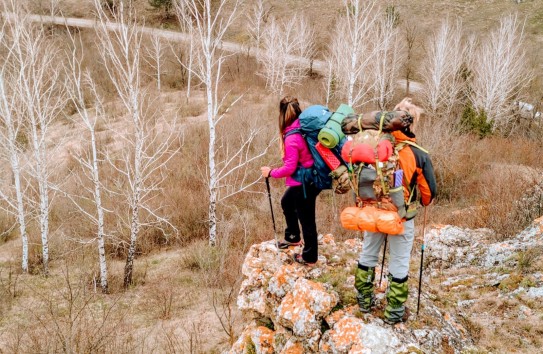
(417, 170)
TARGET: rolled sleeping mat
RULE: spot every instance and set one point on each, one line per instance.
(395, 120)
(332, 134)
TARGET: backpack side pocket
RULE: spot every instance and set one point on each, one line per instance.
(366, 178)
(397, 197)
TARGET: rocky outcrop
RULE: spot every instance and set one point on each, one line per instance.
(451, 246)
(299, 309)
(495, 288)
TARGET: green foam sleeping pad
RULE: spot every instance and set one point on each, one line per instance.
(331, 134)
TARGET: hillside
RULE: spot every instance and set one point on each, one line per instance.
(482, 279)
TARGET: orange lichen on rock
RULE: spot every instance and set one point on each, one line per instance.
(346, 332)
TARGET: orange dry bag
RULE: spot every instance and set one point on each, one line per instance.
(359, 219)
(366, 219)
(389, 222)
(348, 218)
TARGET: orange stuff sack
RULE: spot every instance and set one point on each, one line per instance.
(359, 219)
(360, 153)
(366, 219)
(389, 222)
(348, 218)
(366, 153)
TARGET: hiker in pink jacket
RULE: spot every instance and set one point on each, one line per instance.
(297, 204)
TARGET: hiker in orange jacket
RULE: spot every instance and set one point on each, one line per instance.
(418, 178)
(298, 204)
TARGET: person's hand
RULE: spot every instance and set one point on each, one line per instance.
(265, 171)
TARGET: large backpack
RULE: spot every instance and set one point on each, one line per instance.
(373, 157)
(328, 165)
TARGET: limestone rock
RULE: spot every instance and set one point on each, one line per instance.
(314, 309)
(257, 339)
(453, 246)
(303, 308)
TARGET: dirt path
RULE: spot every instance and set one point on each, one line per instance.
(318, 65)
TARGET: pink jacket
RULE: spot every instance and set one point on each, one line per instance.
(296, 153)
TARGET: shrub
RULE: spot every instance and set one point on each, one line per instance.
(475, 121)
(165, 5)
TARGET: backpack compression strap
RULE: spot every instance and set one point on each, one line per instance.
(377, 166)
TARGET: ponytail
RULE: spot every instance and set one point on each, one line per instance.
(289, 111)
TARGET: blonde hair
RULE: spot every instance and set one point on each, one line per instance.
(415, 111)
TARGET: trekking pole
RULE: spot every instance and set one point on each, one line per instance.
(383, 262)
(273, 218)
(421, 258)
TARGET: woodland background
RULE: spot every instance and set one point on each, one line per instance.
(133, 161)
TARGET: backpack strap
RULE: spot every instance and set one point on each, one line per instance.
(293, 131)
(402, 144)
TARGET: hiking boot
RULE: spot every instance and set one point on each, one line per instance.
(285, 244)
(299, 259)
(363, 282)
(404, 318)
(395, 311)
(290, 240)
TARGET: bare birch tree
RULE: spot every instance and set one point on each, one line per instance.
(499, 71)
(256, 20)
(146, 152)
(352, 50)
(226, 171)
(287, 50)
(388, 55)
(11, 126)
(187, 25)
(80, 82)
(39, 89)
(442, 64)
(155, 53)
(330, 80)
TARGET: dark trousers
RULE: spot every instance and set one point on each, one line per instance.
(296, 207)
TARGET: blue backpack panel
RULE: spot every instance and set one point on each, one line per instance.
(312, 120)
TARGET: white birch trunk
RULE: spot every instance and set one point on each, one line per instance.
(135, 201)
(16, 171)
(100, 214)
(329, 81)
(211, 119)
(78, 81)
(40, 156)
(191, 50)
(15, 168)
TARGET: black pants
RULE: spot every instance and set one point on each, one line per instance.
(297, 207)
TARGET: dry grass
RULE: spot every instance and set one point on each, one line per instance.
(170, 306)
